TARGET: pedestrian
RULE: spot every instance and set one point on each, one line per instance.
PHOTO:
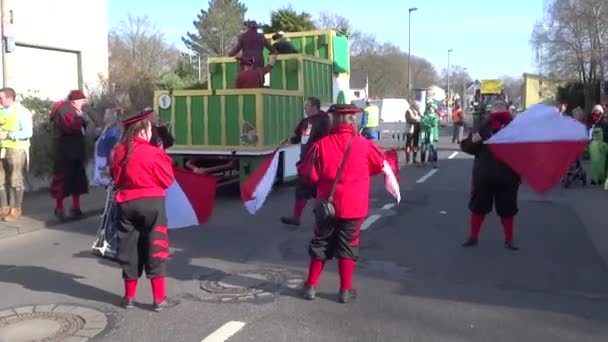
(494, 183)
(429, 135)
(412, 131)
(458, 121)
(161, 134)
(108, 137)
(16, 130)
(598, 155)
(250, 76)
(282, 45)
(251, 45)
(141, 174)
(370, 119)
(316, 125)
(69, 147)
(339, 166)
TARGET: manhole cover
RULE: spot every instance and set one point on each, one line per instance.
(50, 323)
(248, 285)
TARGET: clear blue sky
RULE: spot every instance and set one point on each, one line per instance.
(490, 38)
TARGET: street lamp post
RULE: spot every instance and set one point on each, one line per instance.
(409, 51)
(448, 92)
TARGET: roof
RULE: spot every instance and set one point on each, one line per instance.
(358, 80)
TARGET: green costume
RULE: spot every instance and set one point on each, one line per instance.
(598, 150)
(429, 134)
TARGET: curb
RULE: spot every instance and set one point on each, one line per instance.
(28, 225)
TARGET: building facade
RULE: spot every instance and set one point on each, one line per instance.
(54, 46)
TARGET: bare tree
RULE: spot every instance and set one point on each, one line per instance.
(139, 57)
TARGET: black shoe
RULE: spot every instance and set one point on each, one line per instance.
(510, 246)
(76, 213)
(165, 304)
(347, 296)
(470, 242)
(292, 221)
(310, 292)
(127, 303)
(59, 214)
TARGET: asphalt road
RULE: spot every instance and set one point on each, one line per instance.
(415, 282)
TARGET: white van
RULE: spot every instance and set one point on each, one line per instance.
(391, 110)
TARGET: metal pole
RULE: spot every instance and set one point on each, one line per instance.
(3, 12)
(448, 93)
(409, 51)
(200, 74)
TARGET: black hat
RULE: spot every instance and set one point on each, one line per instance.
(344, 109)
(143, 115)
(250, 23)
(278, 35)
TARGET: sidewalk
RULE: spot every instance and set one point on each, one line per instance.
(38, 211)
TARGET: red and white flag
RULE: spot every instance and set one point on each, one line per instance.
(391, 173)
(540, 145)
(256, 188)
(190, 199)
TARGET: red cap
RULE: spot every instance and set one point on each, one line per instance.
(76, 95)
(145, 114)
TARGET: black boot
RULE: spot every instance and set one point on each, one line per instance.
(510, 246)
(407, 158)
(292, 221)
(127, 303)
(165, 304)
(414, 160)
(470, 242)
(347, 296)
(310, 292)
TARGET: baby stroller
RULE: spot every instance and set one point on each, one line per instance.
(106, 243)
(575, 174)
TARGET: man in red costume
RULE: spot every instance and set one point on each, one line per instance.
(251, 44)
(494, 183)
(314, 126)
(69, 173)
(339, 236)
(250, 76)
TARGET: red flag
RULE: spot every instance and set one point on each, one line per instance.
(190, 199)
(256, 188)
(391, 173)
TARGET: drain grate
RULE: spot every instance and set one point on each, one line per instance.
(248, 286)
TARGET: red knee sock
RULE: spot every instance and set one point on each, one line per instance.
(346, 268)
(298, 208)
(76, 201)
(507, 226)
(158, 289)
(476, 221)
(314, 271)
(59, 204)
(130, 288)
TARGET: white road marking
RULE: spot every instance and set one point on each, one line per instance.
(225, 332)
(427, 176)
(388, 206)
(369, 221)
(453, 155)
(443, 212)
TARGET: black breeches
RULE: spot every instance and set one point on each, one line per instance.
(143, 238)
(339, 237)
(487, 194)
(305, 191)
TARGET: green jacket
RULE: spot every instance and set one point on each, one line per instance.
(429, 126)
(598, 151)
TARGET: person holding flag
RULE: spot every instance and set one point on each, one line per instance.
(141, 174)
(494, 183)
(340, 166)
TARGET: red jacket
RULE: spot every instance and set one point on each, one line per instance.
(147, 173)
(251, 78)
(321, 166)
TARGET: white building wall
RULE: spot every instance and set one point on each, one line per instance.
(78, 30)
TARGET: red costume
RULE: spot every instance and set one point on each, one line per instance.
(141, 173)
(251, 78)
(340, 237)
(69, 149)
(494, 183)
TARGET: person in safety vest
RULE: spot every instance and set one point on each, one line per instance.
(370, 121)
(337, 235)
(15, 133)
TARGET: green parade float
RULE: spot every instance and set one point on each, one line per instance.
(233, 130)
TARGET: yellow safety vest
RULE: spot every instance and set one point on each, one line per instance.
(10, 116)
(373, 116)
